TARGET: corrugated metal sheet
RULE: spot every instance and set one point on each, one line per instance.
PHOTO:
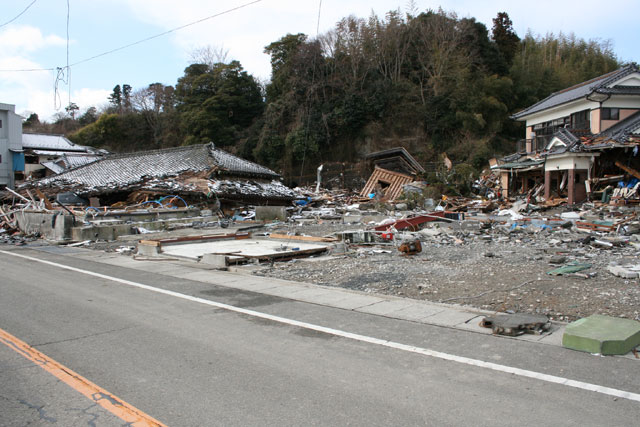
(37, 141)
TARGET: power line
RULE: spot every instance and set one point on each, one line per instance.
(68, 69)
(142, 40)
(19, 15)
(165, 33)
(26, 70)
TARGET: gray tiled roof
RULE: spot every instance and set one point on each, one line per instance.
(53, 166)
(120, 171)
(622, 129)
(599, 84)
(567, 137)
(76, 160)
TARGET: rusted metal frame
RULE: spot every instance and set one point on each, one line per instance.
(595, 227)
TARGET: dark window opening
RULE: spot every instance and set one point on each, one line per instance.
(581, 120)
(31, 160)
(610, 114)
(544, 131)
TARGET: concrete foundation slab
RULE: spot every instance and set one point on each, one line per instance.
(245, 247)
(602, 334)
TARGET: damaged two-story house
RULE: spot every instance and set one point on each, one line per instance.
(576, 135)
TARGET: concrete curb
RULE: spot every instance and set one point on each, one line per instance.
(428, 313)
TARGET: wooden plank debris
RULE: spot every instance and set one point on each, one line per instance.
(628, 170)
(393, 181)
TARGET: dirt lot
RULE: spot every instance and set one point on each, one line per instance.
(503, 268)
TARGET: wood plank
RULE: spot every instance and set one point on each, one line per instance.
(150, 243)
(628, 170)
(47, 203)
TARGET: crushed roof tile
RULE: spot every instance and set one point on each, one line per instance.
(122, 171)
(621, 130)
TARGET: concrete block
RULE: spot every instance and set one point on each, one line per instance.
(148, 250)
(623, 271)
(215, 260)
(602, 334)
(271, 213)
(351, 219)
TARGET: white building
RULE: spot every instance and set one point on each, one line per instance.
(11, 155)
(50, 154)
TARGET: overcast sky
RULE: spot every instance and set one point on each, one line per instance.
(38, 38)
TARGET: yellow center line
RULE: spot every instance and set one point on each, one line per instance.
(97, 394)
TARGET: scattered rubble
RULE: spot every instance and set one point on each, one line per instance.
(516, 324)
(487, 251)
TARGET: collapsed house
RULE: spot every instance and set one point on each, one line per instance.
(46, 155)
(138, 192)
(197, 172)
(576, 139)
(393, 168)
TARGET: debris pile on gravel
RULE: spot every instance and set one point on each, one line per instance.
(501, 267)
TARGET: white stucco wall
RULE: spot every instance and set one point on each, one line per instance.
(566, 163)
(561, 111)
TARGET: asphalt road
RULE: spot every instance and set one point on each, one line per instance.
(185, 363)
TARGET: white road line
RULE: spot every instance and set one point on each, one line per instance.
(357, 337)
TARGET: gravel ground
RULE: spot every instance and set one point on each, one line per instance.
(499, 269)
(491, 266)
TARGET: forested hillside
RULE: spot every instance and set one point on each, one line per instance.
(433, 83)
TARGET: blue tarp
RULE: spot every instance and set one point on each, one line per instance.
(18, 162)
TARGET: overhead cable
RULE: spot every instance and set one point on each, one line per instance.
(165, 33)
(142, 40)
(19, 15)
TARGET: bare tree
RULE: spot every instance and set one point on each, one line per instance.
(151, 102)
(441, 54)
(391, 42)
(209, 55)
